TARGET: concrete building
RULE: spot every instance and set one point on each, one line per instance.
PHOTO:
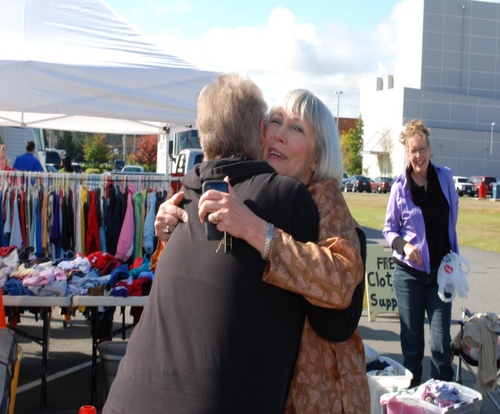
(447, 73)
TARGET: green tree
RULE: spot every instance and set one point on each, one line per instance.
(146, 153)
(96, 151)
(72, 146)
(351, 144)
(51, 137)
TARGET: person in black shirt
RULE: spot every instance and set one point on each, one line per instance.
(213, 337)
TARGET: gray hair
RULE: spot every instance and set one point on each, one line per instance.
(230, 111)
(308, 106)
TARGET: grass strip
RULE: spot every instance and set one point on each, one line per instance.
(478, 220)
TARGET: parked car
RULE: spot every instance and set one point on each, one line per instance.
(463, 186)
(118, 165)
(381, 184)
(358, 183)
(133, 169)
(50, 168)
(476, 180)
(53, 157)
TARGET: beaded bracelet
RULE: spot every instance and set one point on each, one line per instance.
(267, 243)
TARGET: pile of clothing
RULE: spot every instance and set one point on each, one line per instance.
(439, 393)
(22, 273)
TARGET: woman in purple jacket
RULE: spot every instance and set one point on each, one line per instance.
(420, 226)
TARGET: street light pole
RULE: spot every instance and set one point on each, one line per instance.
(338, 108)
(491, 138)
(124, 143)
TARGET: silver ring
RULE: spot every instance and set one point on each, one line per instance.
(216, 217)
(166, 230)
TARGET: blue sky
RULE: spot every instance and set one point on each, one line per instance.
(192, 18)
(321, 45)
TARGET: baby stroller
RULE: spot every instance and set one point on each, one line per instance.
(477, 345)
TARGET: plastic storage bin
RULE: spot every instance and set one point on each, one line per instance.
(380, 385)
(409, 404)
(111, 355)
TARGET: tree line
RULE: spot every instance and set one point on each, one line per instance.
(96, 152)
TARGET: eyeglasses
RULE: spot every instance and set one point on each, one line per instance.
(420, 151)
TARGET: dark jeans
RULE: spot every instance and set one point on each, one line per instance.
(417, 293)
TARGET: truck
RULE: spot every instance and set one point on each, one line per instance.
(177, 153)
(463, 186)
(53, 157)
(170, 145)
(186, 160)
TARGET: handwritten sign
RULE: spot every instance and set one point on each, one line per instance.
(380, 295)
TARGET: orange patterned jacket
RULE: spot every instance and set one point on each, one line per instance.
(329, 377)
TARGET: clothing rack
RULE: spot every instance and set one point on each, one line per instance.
(26, 179)
(57, 212)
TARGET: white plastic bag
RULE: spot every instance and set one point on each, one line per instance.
(452, 277)
(370, 354)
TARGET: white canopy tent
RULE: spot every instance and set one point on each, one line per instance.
(77, 65)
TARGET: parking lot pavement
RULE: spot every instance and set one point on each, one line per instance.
(69, 369)
(69, 366)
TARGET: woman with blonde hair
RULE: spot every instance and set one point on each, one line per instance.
(301, 141)
(4, 162)
(420, 226)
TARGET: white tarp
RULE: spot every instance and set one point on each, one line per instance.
(77, 65)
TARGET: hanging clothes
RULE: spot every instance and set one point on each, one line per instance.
(125, 246)
(149, 246)
(78, 219)
(36, 224)
(116, 213)
(22, 217)
(92, 242)
(55, 232)
(16, 236)
(79, 213)
(4, 242)
(138, 202)
(103, 228)
(83, 206)
(67, 221)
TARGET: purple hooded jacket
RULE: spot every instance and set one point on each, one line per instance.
(405, 219)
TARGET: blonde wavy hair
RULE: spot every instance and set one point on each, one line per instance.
(415, 126)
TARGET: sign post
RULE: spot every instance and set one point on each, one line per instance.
(380, 295)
